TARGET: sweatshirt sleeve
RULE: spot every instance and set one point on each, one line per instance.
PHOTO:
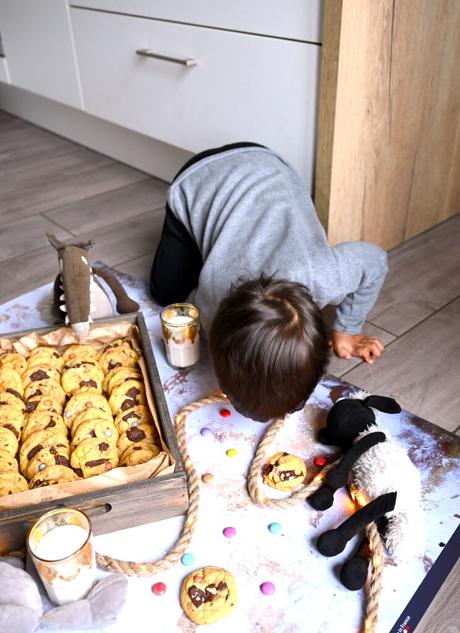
(362, 267)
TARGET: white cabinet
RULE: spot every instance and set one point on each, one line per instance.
(242, 88)
(255, 78)
(38, 47)
(293, 19)
(4, 74)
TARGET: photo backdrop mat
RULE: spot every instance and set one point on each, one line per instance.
(308, 596)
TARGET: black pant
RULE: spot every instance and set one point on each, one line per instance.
(177, 264)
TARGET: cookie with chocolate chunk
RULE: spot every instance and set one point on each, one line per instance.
(133, 416)
(44, 403)
(94, 413)
(139, 453)
(13, 400)
(13, 360)
(53, 475)
(83, 400)
(129, 394)
(121, 355)
(10, 483)
(43, 421)
(8, 441)
(48, 356)
(78, 353)
(39, 440)
(95, 428)
(47, 456)
(12, 419)
(51, 388)
(284, 471)
(208, 595)
(118, 375)
(94, 456)
(136, 434)
(40, 374)
(10, 379)
(8, 463)
(83, 376)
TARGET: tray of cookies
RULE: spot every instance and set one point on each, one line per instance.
(85, 424)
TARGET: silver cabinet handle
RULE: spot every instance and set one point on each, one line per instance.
(146, 52)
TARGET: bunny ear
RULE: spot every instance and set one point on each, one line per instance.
(387, 405)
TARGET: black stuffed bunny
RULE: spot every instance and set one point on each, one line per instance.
(381, 478)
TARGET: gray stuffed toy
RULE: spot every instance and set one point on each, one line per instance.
(21, 607)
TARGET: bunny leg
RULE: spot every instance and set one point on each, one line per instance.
(354, 572)
(333, 542)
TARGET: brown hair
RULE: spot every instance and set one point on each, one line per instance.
(269, 347)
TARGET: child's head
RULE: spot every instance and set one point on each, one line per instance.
(269, 347)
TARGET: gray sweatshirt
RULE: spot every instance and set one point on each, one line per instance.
(250, 213)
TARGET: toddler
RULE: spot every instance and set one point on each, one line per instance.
(241, 240)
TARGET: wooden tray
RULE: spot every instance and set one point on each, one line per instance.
(122, 506)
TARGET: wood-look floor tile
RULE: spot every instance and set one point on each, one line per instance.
(139, 267)
(128, 239)
(40, 171)
(56, 188)
(27, 235)
(444, 611)
(421, 369)
(424, 276)
(27, 271)
(339, 366)
(113, 206)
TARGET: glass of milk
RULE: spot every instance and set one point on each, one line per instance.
(60, 546)
(180, 323)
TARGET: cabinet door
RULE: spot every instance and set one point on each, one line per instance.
(242, 88)
(38, 47)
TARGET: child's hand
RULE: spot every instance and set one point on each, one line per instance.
(348, 345)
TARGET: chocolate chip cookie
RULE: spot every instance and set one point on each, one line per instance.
(208, 595)
(284, 471)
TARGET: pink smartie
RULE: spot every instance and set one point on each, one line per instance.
(267, 588)
(229, 532)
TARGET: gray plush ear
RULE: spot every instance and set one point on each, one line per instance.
(18, 588)
(76, 615)
(107, 599)
(18, 619)
(99, 609)
(20, 601)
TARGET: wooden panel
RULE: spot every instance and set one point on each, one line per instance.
(332, 20)
(395, 155)
(268, 85)
(295, 19)
(109, 509)
(424, 276)
(119, 204)
(420, 369)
